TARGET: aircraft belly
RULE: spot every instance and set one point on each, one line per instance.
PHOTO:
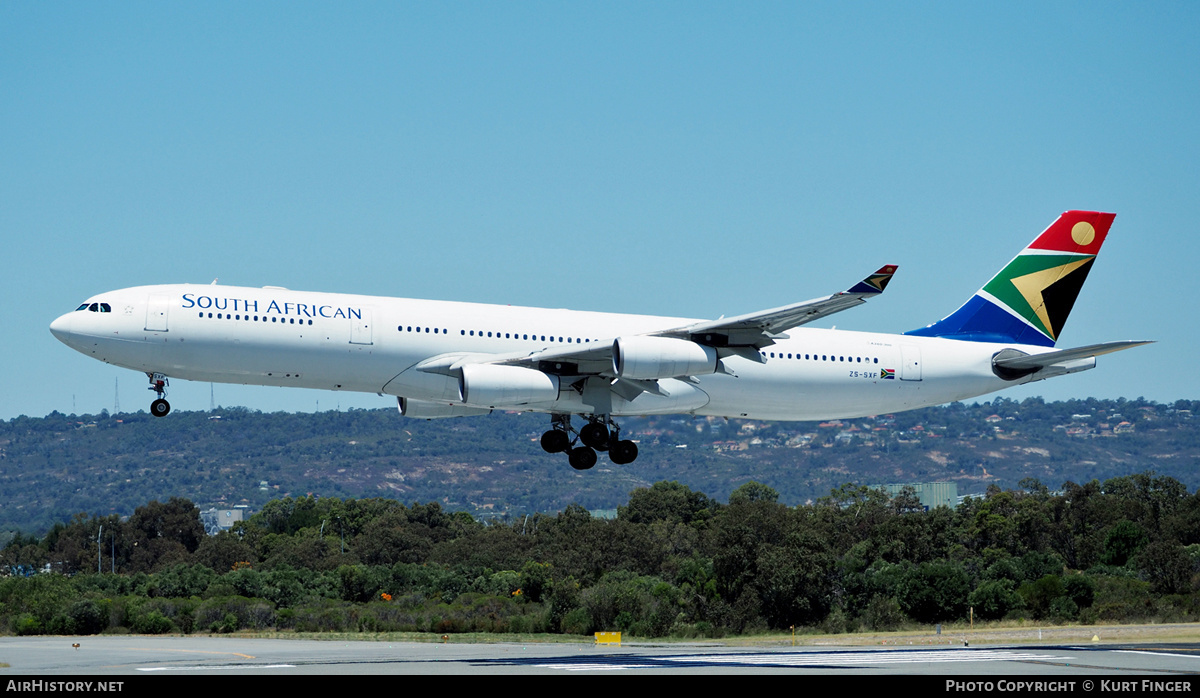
(260, 356)
(678, 397)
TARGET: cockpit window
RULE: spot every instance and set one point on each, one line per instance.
(95, 307)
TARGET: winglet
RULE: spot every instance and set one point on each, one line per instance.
(875, 283)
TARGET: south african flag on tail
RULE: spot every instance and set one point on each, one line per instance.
(1028, 301)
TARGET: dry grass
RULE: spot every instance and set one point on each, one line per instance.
(996, 634)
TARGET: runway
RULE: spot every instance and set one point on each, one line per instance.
(110, 656)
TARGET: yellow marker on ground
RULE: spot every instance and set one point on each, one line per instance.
(608, 638)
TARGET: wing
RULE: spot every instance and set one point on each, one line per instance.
(757, 330)
(743, 335)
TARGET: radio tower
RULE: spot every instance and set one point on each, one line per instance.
(212, 400)
(116, 396)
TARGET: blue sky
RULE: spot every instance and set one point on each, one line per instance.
(686, 159)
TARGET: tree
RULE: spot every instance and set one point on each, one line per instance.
(670, 502)
(754, 492)
(1123, 542)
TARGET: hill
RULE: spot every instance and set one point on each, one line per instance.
(56, 466)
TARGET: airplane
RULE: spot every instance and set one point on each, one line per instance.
(455, 359)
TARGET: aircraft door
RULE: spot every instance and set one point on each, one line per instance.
(156, 312)
(360, 328)
(910, 362)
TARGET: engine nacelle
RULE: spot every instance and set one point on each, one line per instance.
(649, 358)
(504, 386)
(423, 409)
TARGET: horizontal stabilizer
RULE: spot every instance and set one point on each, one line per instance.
(1034, 361)
(1013, 364)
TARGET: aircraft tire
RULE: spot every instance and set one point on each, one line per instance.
(581, 458)
(160, 408)
(623, 452)
(555, 441)
(595, 435)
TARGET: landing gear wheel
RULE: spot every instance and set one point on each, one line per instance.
(595, 434)
(623, 452)
(158, 383)
(582, 458)
(556, 441)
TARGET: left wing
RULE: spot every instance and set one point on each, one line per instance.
(761, 329)
(743, 335)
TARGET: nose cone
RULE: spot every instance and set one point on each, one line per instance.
(61, 328)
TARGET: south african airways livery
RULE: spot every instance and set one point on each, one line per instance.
(449, 359)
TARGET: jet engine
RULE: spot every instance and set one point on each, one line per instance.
(502, 386)
(650, 358)
(423, 409)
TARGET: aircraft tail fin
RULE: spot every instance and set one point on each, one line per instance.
(1028, 301)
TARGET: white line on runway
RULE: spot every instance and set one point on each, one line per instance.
(217, 668)
(1159, 654)
(882, 657)
(818, 659)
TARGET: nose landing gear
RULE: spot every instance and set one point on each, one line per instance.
(599, 434)
(158, 383)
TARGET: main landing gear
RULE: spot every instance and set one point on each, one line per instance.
(596, 435)
(158, 383)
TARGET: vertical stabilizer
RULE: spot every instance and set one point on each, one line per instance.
(1029, 300)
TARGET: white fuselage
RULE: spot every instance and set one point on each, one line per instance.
(279, 337)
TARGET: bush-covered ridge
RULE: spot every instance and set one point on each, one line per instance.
(55, 466)
(673, 562)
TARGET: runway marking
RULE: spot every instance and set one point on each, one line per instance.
(597, 667)
(1157, 653)
(159, 649)
(800, 659)
(218, 668)
(883, 657)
